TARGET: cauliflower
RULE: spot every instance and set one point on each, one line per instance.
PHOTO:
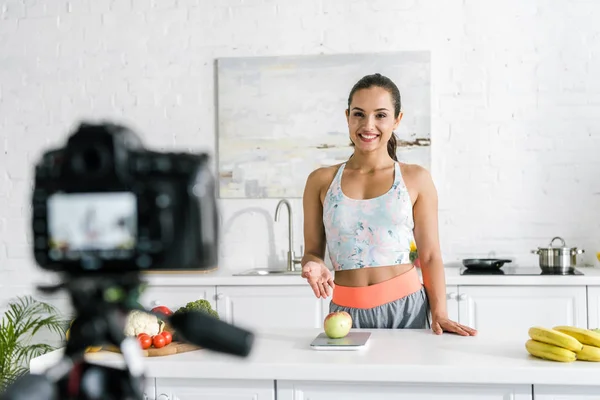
(141, 322)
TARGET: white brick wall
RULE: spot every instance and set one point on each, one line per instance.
(516, 95)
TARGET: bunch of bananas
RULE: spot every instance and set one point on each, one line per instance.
(564, 343)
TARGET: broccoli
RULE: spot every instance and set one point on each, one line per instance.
(199, 305)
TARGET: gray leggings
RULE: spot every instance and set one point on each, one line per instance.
(410, 312)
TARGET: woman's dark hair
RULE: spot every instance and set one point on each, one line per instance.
(386, 83)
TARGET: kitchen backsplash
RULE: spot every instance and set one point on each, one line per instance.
(515, 128)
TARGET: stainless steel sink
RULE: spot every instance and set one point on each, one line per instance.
(267, 272)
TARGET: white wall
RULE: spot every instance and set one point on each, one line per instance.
(516, 101)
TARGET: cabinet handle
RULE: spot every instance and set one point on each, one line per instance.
(451, 296)
(163, 397)
(156, 303)
(220, 296)
(463, 296)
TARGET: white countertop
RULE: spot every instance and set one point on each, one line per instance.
(225, 277)
(392, 356)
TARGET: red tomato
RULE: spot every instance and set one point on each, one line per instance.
(158, 341)
(142, 335)
(168, 337)
(162, 310)
(145, 341)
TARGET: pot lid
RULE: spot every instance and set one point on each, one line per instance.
(552, 247)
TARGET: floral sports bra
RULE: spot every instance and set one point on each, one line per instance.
(368, 233)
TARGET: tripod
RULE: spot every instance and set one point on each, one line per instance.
(101, 306)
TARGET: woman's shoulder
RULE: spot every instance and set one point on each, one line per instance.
(322, 177)
(415, 174)
(325, 173)
(412, 169)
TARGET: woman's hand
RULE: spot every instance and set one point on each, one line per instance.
(443, 324)
(319, 278)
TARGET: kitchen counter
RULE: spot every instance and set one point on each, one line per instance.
(225, 277)
(410, 356)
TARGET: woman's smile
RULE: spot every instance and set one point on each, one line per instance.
(368, 137)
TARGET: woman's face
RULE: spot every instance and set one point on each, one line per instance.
(371, 119)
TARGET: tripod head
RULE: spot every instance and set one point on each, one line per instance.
(101, 306)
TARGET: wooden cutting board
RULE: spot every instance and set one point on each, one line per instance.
(170, 349)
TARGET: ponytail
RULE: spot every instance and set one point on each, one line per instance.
(392, 144)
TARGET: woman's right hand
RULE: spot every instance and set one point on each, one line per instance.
(319, 278)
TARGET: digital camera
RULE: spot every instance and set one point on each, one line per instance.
(104, 204)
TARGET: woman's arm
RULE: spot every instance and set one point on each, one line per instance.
(313, 261)
(314, 232)
(425, 213)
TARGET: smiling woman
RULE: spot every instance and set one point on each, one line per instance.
(374, 88)
(373, 212)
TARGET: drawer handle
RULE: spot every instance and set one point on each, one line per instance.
(451, 296)
(463, 296)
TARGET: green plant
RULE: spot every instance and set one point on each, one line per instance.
(24, 318)
(199, 305)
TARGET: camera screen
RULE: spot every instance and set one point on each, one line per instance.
(79, 223)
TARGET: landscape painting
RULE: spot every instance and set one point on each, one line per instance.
(279, 118)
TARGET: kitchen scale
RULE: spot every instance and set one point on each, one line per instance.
(352, 341)
(524, 271)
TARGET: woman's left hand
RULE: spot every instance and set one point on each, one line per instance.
(443, 324)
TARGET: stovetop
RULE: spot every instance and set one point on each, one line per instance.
(506, 270)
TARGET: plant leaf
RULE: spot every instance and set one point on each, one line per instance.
(24, 317)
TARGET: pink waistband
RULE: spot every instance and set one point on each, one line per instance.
(378, 294)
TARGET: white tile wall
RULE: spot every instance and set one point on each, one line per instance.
(516, 100)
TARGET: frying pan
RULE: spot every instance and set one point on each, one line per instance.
(484, 263)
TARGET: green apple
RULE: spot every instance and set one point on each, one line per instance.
(337, 324)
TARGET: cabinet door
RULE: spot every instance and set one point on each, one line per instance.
(214, 389)
(150, 389)
(176, 296)
(452, 302)
(512, 310)
(291, 390)
(594, 307)
(270, 306)
(551, 392)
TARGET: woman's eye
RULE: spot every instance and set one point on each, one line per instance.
(358, 114)
(382, 115)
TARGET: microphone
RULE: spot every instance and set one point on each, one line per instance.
(206, 331)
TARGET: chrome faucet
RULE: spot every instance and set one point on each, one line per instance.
(292, 260)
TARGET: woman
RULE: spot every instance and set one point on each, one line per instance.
(367, 211)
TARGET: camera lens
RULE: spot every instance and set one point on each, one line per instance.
(90, 161)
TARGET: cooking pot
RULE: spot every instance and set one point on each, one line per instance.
(557, 259)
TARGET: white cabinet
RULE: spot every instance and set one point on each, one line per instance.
(290, 390)
(504, 309)
(214, 389)
(452, 302)
(150, 389)
(593, 307)
(270, 306)
(550, 392)
(512, 310)
(249, 306)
